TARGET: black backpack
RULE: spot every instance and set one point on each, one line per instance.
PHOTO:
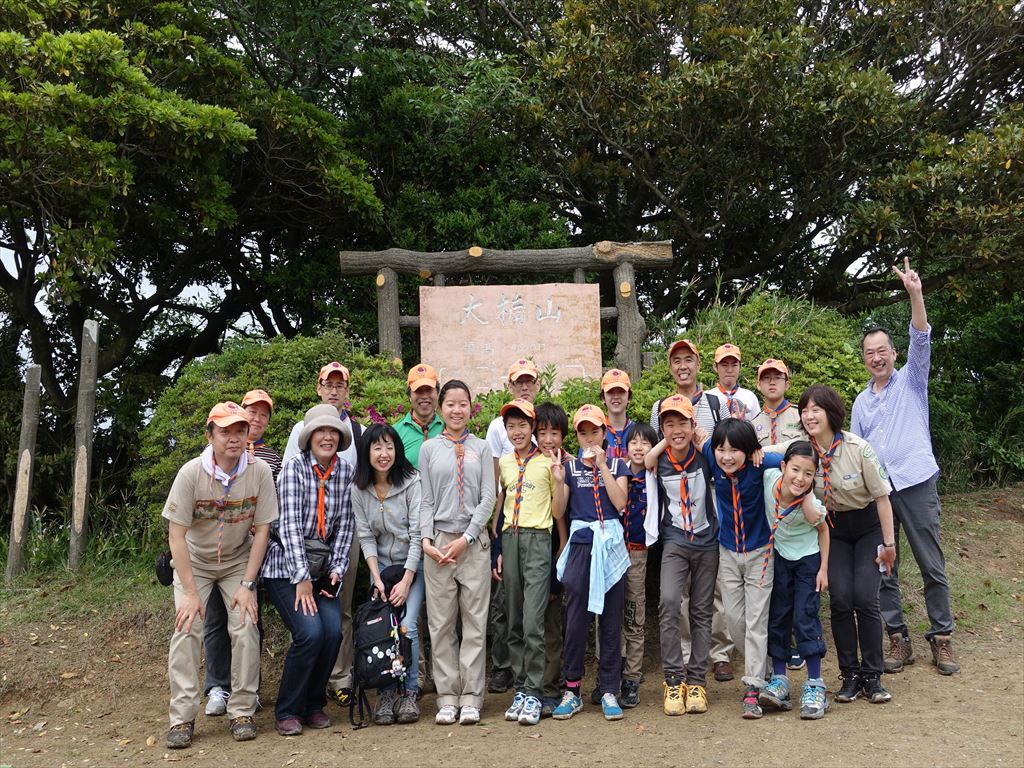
(381, 651)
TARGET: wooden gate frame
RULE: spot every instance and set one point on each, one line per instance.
(622, 258)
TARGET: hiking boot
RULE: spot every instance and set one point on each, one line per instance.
(873, 689)
(530, 712)
(318, 719)
(516, 708)
(408, 710)
(217, 703)
(343, 696)
(674, 697)
(630, 694)
(289, 726)
(776, 693)
(899, 654)
(942, 655)
(850, 690)
(723, 671)
(469, 715)
(447, 715)
(180, 735)
(696, 700)
(501, 681)
(242, 728)
(610, 707)
(568, 706)
(813, 701)
(384, 714)
(751, 708)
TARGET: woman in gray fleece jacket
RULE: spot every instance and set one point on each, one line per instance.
(386, 504)
(457, 472)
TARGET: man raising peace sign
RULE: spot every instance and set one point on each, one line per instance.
(892, 414)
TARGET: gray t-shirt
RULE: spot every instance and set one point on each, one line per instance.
(703, 515)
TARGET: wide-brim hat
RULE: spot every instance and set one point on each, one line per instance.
(324, 415)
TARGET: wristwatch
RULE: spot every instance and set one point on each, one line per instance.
(470, 539)
(250, 585)
(889, 546)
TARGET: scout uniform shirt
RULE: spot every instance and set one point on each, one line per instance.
(199, 502)
(857, 475)
(787, 426)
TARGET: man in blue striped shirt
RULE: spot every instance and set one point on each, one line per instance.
(892, 414)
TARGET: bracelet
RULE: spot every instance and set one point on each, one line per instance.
(889, 546)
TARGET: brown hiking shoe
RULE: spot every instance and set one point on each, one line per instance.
(942, 655)
(243, 728)
(723, 671)
(180, 735)
(900, 653)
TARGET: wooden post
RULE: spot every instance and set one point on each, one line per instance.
(23, 484)
(84, 419)
(631, 329)
(439, 280)
(390, 337)
(578, 275)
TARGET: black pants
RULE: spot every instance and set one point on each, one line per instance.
(853, 581)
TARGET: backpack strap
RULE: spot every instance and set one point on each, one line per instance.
(714, 405)
(359, 698)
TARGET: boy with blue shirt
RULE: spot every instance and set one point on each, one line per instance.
(593, 565)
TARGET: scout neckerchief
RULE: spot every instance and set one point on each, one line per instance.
(730, 397)
(597, 494)
(826, 466)
(684, 488)
(616, 446)
(738, 529)
(459, 444)
(518, 500)
(321, 496)
(697, 396)
(424, 427)
(774, 414)
(776, 519)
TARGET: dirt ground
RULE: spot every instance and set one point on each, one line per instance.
(94, 693)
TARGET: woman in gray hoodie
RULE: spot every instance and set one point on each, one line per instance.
(386, 503)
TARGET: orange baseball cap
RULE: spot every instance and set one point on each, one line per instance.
(522, 367)
(257, 396)
(727, 350)
(683, 343)
(615, 378)
(590, 413)
(227, 413)
(677, 404)
(772, 365)
(333, 367)
(421, 375)
(519, 405)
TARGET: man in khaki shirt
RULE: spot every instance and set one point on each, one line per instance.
(216, 500)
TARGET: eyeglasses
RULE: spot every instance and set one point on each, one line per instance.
(334, 387)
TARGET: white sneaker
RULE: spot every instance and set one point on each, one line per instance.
(530, 714)
(513, 712)
(469, 716)
(447, 715)
(217, 704)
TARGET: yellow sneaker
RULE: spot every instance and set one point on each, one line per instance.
(675, 699)
(696, 700)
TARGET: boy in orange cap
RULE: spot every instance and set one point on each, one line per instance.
(616, 392)
(778, 421)
(215, 500)
(740, 402)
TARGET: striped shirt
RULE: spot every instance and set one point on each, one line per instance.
(297, 489)
(268, 455)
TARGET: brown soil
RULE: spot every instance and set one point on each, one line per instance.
(94, 693)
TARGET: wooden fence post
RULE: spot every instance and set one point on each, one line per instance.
(23, 485)
(631, 329)
(84, 419)
(389, 334)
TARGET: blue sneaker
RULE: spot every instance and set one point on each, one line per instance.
(776, 693)
(610, 707)
(530, 714)
(796, 661)
(513, 712)
(568, 706)
(547, 706)
(813, 701)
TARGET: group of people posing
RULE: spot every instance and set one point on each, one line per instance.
(757, 508)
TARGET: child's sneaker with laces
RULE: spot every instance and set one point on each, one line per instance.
(610, 707)
(530, 711)
(568, 706)
(751, 709)
(675, 697)
(513, 712)
(447, 715)
(776, 693)
(547, 705)
(813, 701)
(217, 704)
(630, 694)
(873, 689)
(469, 715)
(850, 688)
(696, 700)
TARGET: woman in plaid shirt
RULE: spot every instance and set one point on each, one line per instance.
(313, 495)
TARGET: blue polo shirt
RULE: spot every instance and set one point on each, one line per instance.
(636, 510)
(580, 479)
(750, 483)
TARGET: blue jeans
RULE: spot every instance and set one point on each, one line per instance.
(311, 656)
(413, 608)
